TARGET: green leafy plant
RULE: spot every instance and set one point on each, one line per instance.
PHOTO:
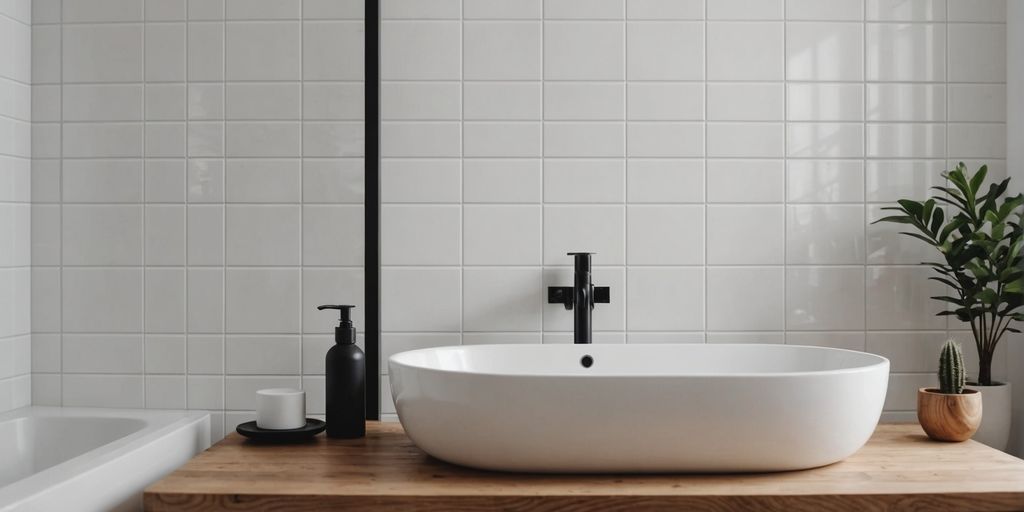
(981, 245)
(952, 376)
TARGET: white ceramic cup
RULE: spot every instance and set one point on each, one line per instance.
(280, 408)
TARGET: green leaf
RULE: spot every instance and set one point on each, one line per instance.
(959, 204)
(980, 273)
(952, 226)
(945, 281)
(989, 296)
(927, 240)
(914, 208)
(926, 211)
(956, 177)
(899, 219)
(938, 216)
(978, 179)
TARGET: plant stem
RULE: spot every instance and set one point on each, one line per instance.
(977, 336)
(985, 371)
(984, 334)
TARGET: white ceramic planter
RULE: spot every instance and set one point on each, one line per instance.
(995, 420)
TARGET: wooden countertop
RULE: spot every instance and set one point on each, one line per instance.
(899, 469)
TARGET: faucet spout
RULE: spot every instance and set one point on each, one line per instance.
(581, 297)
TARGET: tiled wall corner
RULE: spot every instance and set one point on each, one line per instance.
(15, 204)
(723, 158)
(198, 189)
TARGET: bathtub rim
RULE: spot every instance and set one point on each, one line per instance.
(159, 422)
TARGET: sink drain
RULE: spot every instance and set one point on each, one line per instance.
(587, 361)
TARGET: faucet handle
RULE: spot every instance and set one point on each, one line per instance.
(564, 295)
(560, 295)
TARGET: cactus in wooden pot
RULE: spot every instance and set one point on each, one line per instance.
(952, 376)
(950, 413)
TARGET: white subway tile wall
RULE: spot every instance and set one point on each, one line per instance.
(197, 188)
(15, 204)
(723, 158)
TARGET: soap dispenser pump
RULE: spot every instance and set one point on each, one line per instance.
(346, 380)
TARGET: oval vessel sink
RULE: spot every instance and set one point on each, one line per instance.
(638, 408)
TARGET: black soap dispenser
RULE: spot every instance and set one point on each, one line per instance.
(346, 380)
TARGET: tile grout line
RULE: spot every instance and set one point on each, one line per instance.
(543, 166)
(224, 221)
(188, 306)
(785, 173)
(605, 81)
(563, 158)
(558, 19)
(704, 165)
(864, 152)
(60, 197)
(945, 118)
(302, 193)
(462, 171)
(145, 153)
(625, 167)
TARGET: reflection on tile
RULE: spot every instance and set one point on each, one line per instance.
(825, 102)
(905, 140)
(898, 298)
(825, 181)
(824, 140)
(906, 102)
(891, 180)
(825, 298)
(825, 234)
(824, 51)
(905, 52)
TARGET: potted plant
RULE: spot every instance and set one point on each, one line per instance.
(951, 412)
(982, 265)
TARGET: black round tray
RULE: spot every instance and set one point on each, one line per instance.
(312, 428)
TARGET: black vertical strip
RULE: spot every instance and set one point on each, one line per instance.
(371, 166)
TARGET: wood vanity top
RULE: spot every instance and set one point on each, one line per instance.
(899, 469)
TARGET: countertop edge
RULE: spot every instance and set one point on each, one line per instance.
(952, 502)
(390, 473)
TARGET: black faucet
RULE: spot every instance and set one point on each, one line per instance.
(580, 298)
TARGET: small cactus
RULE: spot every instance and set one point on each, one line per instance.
(952, 375)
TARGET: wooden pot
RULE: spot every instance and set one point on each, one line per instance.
(949, 417)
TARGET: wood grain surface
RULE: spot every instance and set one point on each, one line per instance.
(899, 469)
(953, 417)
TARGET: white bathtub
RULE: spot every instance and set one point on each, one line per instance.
(639, 408)
(83, 459)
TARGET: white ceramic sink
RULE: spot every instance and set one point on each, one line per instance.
(639, 408)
